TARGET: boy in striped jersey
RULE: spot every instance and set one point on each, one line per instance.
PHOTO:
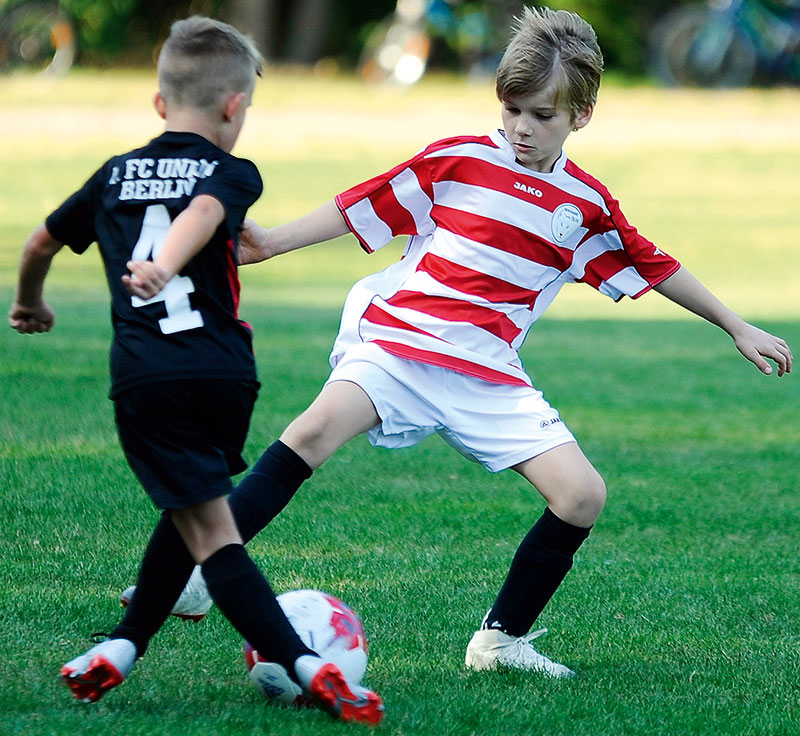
(497, 224)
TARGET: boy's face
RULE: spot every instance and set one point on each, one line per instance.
(537, 128)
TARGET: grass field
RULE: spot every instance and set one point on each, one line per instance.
(681, 612)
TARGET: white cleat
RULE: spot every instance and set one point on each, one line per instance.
(194, 602)
(491, 649)
(274, 683)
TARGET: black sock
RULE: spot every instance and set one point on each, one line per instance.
(166, 566)
(246, 599)
(267, 488)
(540, 564)
(262, 494)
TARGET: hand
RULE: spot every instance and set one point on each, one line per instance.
(253, 243)
(28, 320)
(756, 345)
(146, 279)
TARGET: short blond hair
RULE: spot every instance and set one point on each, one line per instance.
(552, 48)
(203, 60)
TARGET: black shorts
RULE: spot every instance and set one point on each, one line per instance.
(184, 439)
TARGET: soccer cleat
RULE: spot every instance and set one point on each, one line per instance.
(275, 684)
(92, 674)
(193, 603)
(331, 692)
(491, 649)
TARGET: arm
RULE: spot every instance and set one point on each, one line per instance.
(188, 234)
(258, 244)
(30, 313)
(752, 342)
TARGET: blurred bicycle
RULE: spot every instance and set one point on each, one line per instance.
(728, 43)
(399, 48)
(36, 35)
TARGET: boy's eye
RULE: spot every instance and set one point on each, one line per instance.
(512, 110)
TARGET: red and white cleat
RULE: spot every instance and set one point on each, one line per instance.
(106, 665)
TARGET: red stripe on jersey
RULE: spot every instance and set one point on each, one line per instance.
(476, 283)
(604, 266)
(418, 164)
(527, 187)
(401, 222)
(455, 310)
(508, 238)
(379, 316)
(233, 276)
(448, 361)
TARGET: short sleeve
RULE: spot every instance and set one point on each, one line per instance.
(398, 202)
(73, 223)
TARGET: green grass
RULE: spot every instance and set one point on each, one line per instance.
(681, 611)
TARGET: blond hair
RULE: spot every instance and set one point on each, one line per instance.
(552, 48)
(203, 60)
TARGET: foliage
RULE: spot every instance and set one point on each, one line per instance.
(128, 30)
(118, 31)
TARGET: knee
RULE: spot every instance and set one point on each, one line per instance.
(307, 435)
(594, 495)
(584, 503)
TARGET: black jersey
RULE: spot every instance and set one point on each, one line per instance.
(191, 329)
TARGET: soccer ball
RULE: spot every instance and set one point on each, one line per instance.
(326, 625)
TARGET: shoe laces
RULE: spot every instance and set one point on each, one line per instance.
(523, 651)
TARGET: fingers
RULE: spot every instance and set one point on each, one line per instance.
(28, 321)
(29, 325)
(777, 351)
(146, 280)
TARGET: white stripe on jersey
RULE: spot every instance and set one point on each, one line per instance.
(528, 216)
(626, 281)
(410, 195)
(365, 221)
(493, 262)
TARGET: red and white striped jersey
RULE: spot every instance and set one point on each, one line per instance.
(491, 244)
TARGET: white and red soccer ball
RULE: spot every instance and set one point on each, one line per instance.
(325, 624)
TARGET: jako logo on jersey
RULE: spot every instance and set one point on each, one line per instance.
(545, 423)
(528, 189)
(566, 220)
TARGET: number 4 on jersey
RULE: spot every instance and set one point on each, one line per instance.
(175, 295)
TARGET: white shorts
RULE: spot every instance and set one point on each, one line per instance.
(493, 424)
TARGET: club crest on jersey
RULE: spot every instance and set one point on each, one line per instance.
(566, 219)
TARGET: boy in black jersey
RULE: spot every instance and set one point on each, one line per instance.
(183, 376)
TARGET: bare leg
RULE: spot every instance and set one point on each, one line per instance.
(340, 412)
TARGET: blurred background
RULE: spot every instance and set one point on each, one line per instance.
(711, 43)
(697, 130)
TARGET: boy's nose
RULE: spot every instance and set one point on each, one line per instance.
(523, 125)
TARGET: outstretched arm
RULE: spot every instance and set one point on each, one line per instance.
(186, 237)
(30, 313)
(755, 344)
(258, 244)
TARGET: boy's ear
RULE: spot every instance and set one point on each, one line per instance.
(583, 117)
(160, 105)
(231, 105)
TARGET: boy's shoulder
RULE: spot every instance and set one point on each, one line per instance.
(575, 171)
(459, 140)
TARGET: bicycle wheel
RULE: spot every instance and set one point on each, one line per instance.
(693, 46)
(36, 35)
